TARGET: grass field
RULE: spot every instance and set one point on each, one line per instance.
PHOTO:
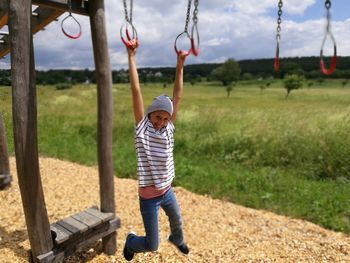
(254, 148)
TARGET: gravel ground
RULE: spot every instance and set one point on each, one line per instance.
(215, 230)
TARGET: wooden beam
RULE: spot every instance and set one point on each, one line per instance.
(5, 177)
(43, 18)
(3, 13)
(80, 7)
(105, 115)
(24, 112)
(4, 156)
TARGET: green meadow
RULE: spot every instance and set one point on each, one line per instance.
(254, 148)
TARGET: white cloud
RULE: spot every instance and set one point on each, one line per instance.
(253, 7)
(297, 7)
(228, 28)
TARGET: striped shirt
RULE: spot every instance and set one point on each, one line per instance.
(154, 150)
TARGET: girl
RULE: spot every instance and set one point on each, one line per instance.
(154, 144)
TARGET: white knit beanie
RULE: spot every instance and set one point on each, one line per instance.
(162, 102)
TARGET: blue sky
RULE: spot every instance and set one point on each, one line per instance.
(228, 29)
(339, 9)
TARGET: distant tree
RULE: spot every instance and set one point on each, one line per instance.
(320, 80)
(228, 72)
(292, 82)
(229, 88)
(198, 78)
(188, 78)
(344, 82)
(247, 76)
(310, 84)
(62, 86)
(291, 68)
(314, 74)
(5, 81)
(262, 88)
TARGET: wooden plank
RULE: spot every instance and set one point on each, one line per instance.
(3, 13)
(62, 234)
(4, 176)
(5, 181)
(103, 216)
(4, 157)
(3, 19)
(78, 6)
(46, 258)
(73, 225)
(61, 251)
(87, 219)
(44, 17)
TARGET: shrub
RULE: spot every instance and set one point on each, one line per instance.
(63, 86)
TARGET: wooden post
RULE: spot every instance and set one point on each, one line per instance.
(5, 178)
(25, 126)
(4, 158)
(105, 112)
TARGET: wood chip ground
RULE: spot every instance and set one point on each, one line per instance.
(215, 230)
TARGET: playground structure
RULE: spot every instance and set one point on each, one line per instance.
(52, 243)
(5, 177)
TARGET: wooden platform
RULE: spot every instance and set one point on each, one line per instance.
(46, 12)
(78, 231)
(5, 181)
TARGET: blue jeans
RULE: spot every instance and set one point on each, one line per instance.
(149, 211)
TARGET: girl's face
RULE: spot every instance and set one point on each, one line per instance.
(159, 119)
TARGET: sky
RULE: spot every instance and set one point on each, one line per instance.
(228, 29)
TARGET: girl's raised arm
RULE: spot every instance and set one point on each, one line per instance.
(137, 100)
(178, 84)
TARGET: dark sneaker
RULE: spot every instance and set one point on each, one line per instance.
(183, 247)
(128, 255)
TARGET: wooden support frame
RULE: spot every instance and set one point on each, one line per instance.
(78, 231)
(43, 18)
(80, 7)
(3, 13)
(105, 115)
(21, 28)
(5, 177)
(25, 126)
(79, 243)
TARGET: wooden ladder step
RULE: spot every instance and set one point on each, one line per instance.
(103, 216)
(5, 181)
(78, 223)
(78, 231)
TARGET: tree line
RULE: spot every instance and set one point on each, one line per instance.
(308, 67)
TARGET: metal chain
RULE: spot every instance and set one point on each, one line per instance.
(128, 18)
(70, 7)
(195, 12)
(328, 5)
(279, 20)
(333, 63)
(188, 14)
